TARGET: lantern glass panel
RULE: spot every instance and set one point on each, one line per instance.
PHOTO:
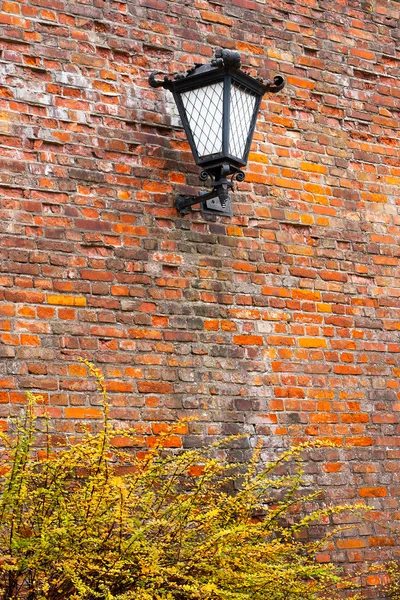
(242, 106)
(204, 111)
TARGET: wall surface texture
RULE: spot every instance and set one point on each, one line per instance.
(283, 321)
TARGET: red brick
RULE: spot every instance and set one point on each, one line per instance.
(216, 18)
(285, 315)
(154, 387)
(382, 541)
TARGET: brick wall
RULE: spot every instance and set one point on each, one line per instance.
(282, 321)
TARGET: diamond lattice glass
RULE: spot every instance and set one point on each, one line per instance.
(204, 109)
(242, 107)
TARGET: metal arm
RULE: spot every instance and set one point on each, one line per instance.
(184, 203)
(217, 201)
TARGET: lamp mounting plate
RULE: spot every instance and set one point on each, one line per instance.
(214, 207)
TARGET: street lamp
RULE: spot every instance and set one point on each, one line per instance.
(218, 104)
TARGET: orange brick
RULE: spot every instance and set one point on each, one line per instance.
(172, 441)
(276, 405)
(324, 418)
(234, 230)
(372, 492)
(157, 187)
(351, 543)
(212, 325)
(119, 386)
(228, 326)
(67, 314)
(216, 18)
(312, 342)
(83, 413)
(29, 340)
(158, 321)
(11, 7)
(66, 300)
(248, 340)
(306, 295)
(77, 370)
(298, 82)
(360, 441)
(332, 467)
(365, 54)
(313, 167)
(249, 48)
(196, 470)
(178, 428)
(124, 441)
(354, 418)
(45, 312)
(381, 541)
(280, 340)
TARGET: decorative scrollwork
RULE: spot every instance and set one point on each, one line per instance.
(165, 82)
(274, 85)
(238, 175)
(204, 176)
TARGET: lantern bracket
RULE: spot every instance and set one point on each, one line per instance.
(217, 201)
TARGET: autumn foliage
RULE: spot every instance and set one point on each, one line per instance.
(94, 521)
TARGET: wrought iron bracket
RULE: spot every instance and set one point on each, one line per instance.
(218, 200)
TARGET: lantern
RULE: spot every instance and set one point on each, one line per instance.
(218, 104)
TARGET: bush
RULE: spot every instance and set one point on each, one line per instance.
(393, 586)
(93, 521)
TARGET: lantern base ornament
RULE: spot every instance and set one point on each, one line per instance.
(217, 201)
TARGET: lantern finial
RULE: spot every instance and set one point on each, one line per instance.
(226, 58)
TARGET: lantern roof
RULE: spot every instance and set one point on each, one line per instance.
(225, 62)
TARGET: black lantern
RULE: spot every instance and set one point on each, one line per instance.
(218, 104)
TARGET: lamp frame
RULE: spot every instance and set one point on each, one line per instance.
(225, 69)
(227, 76)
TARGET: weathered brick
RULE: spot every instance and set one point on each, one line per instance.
(157, 387)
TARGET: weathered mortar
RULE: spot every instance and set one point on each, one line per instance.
(282, 321)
